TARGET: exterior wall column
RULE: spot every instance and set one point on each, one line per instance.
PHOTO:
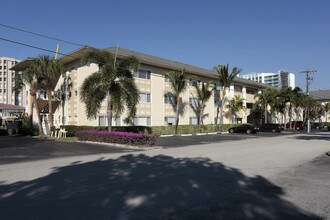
(244, 104)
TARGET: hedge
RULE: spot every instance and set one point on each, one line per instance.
(161, 130)
(129, 138)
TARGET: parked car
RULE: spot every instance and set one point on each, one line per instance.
(316, 125)
(298, 125)
(244, 128)
(270, 128)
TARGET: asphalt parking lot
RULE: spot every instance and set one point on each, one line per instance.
(15, 149)
(234, 176)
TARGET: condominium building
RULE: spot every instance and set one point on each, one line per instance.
(279, 79)
(154, 108)
(7, 82)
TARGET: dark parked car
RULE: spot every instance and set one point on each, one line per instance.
(316, 125)
(244, 128)
(270, 128)
(298, 125)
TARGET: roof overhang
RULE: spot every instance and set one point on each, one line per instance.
(75, 55)
(21, 66)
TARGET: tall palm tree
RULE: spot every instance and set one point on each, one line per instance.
(263, 99)
(179, 83)
(236, 105)
(18, 85)
(279, 104)
(326, 107)
(297, 95)
(225, 79)
(50, 69)
(31, 76)
(204, 93)
(114, 81)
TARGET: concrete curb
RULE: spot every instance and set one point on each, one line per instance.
(122, 145)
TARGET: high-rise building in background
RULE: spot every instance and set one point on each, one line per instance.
(279, 79)
(7, 83)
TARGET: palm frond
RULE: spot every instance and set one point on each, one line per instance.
(93, 94)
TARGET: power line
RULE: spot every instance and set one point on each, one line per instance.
(35, 47)
(40, 35)
(308, 80)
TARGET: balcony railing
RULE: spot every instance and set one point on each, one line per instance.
(56, 95)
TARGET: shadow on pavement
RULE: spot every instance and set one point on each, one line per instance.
(142, 187)
(324, 137)
(181, 141)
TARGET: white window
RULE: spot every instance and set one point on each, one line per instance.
(169, 120)
(144, 97)
(103, 121)
(193, 101)
(142, 121)
(167, 78)
(194, 82)
(193, 120)
(168, 99)
(143, 74)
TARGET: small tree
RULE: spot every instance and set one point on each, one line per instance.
(263, 99)
(114, 81)
(32, 77)
(225, 79)
(179, 83)
(326, 107)
(50, 70)
(204, 93)
(235, 105)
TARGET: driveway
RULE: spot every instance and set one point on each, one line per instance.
(280, 177)
(15, 149)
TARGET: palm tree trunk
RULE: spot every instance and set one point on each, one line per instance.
(41, 133)
(30, 116)
(177, 115)
(109, 115)
(200, 118)
(217, 117)
(266, 115)
(221, 108)
(290, 115)
(50, 108)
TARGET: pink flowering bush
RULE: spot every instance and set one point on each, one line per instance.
(117, 137)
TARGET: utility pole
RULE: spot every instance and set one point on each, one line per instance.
(308, 81)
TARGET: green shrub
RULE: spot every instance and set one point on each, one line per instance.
(73, 129)
(161, 130)
(129, 138)
(29, 131)
(3, 132)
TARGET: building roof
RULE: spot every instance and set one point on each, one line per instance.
(10, 107)
(174, 65)
(144, 59)
(320, 95)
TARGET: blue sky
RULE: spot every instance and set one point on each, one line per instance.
(255, 35)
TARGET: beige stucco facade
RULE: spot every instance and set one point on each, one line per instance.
(152, 110)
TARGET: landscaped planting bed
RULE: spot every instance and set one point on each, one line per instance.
(126, 138)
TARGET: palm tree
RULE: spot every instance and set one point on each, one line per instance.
(279, 104)
(18, 85)
(326, 107)
(50, 69)
(204, 93)
(114, 81)
(297, 98)
(264, 98)
(224, 79)
(236, 105)
(31, 76)
(179, 83)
